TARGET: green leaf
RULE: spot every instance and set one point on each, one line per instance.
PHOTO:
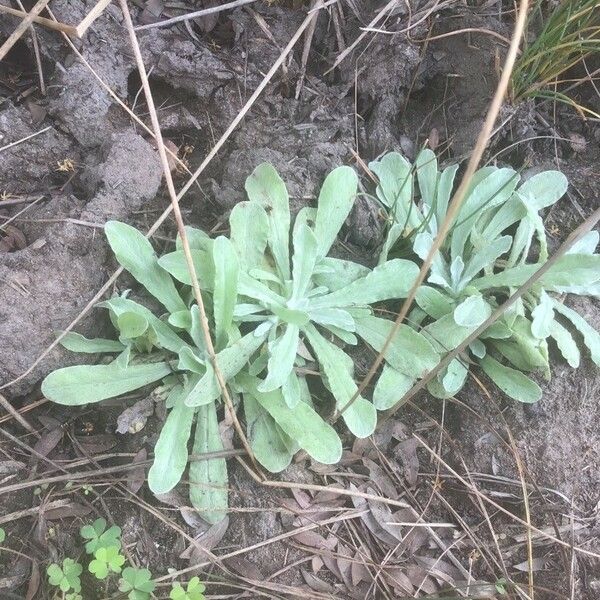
(231, 361)
(171, 451)
(266, 187)
(522, 349)
(175, 264)
(197, 239)
(566, 344)
(271, 446)
(83, 384)
(195, 591)
(166, 337)
(445, 334)
(2, 535)
(249, 231)
(225, 290)
(486, 257)
(444, 192)
(135, 253)
(512, 382)
(493, 190)
(99, 536)
(303, 262)
(208, 478)
(360, 416)
(282, 354)
(543, 190)
(454, 376)
(66, 576)
(427, 176)
(472, 312)
(301, 424)
(132, 325)
(138, 582)
(106, 560)
(390, 387)
(591, 337)
(542, 317)
(392, 279)
(433, 302)
(568, 271)
(409, 352)
(336, 317)
(333, 206)
(78, 343)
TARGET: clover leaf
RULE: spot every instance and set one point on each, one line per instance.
(106, 560)
(65, 577)
(195, 590)
(138, 582)
(99, 536)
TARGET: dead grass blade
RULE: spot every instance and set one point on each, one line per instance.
(22, 27)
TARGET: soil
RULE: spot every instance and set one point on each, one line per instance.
(88, 163)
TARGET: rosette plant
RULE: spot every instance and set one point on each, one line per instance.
(275, 300)
(496, 243)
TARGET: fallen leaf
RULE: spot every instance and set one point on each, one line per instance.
(72, 509)
(344, 563)
(206, 541)
(406, 451)
(189, 515)
(316, 584)
(578, 142)
(359, 570)
(96, 444)
(137, 476)
(34, 581)
(134, 418)
(242, 566)
(47, 442)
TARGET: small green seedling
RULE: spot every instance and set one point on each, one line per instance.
(65, 576)
(99, 536)
(2, 535)
(194, 591)
(137, 583)
(106, 560)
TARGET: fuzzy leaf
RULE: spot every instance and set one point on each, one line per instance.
(301, 424)
(303, 261)
(76, 342)
(282, 354)
(166, 337)
(444, 192)
(390, 387)
(337, 366)
(269, 443)
(335, 273)
(175, 264)
(83, 384)
(197, 239)
(392, 279)
(565, 343)
(543, 317)
(249, 227)
(512, 382)
(335, 317)
(266, 187)
(543, 190)
(225, 291)
(132, 325)
(486, 257)
(171, 451)
(591, 337)
(409, 352)
(334, 205)
(427, 175)
(445, 334)
(433, 302)
(208, 478)
(230, 361)
(135, 253)
(472, 312)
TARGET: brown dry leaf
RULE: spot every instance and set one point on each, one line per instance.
(344, 563)
(137, 476)
(414, 537)
(406, 451)
(206, 541)
(152, 11)
(242, 566)
(380, 478)
(397, 578)
(578, 142)
(443, 571)
(302, 498)
(537, 564)
(359, 570)
(71, 509)
(12, 239)
(420, 579)
(372, 525)
(47, 442)
(96, 444)
(17, 574)
(208, 22)
(434, 138)
(173, 498)
(316, 563)
(133, 419)
(34, 580)
(316, 584)
(315, 540)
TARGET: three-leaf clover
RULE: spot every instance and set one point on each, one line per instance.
(106, 560)
(65, 577)
(195, 590)
(99, 536)
(138, 582)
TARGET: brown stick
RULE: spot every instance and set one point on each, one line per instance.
(48, 23)
(91, 17)
(11, 410)
(22, 27)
